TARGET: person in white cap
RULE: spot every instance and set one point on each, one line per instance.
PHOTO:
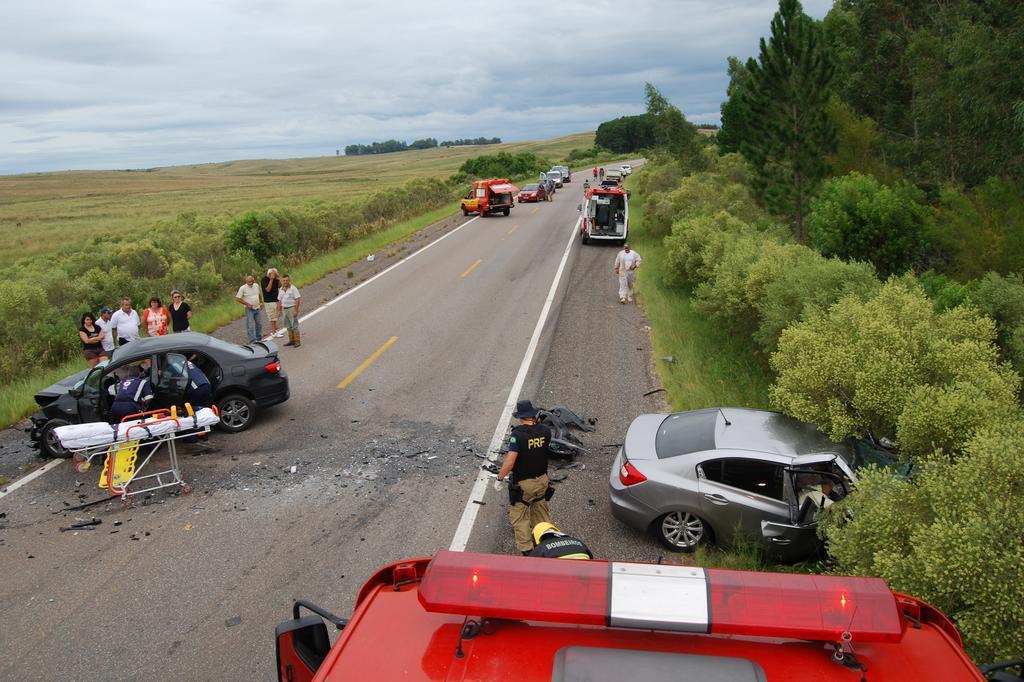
(626, 263)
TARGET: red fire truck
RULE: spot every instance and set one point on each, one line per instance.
(465, 616)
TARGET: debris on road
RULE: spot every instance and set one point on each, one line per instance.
(657, 390)
(233, 621)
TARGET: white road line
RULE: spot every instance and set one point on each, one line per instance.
(469, 513)
(30, 477)
(383, 272)
(50, 465)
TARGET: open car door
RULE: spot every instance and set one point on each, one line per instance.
(172, 379)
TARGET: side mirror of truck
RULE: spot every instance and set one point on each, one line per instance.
(302, 646)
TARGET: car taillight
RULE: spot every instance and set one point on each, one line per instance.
(273, 367)
(662, 597)
(628, 474)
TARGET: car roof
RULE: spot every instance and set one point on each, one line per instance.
(703, 432)
(159, 344)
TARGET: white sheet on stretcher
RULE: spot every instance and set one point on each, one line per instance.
(93, 434)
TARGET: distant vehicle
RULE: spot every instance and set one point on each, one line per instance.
(489, 196)
(626, 169)
(245, 380)
(469, 616)
(605, 214)
(705, 475)
(556, 177)
(564, 170)
(614, 174)
(532, 193)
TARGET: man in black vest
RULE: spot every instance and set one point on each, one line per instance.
(554, 544)
(527, 460)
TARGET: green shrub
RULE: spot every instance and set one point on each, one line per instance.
(953, 536)
(982, 230)
(870, 367)
(944, 292)
(855, 217)
(504, 165)
(699, 243)
(1002, 299)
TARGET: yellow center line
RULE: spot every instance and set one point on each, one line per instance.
(366, 363)
(514, 228)
(472, 267)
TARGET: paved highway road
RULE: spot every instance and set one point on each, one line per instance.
(396, 395)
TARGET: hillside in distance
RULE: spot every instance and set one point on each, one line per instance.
(41, 212)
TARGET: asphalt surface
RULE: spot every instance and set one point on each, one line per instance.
(191, 586)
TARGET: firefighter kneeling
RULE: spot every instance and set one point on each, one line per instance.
(554, 544)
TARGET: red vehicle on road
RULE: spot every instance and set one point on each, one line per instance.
(489, 196)
(464, 616)
(532, 193)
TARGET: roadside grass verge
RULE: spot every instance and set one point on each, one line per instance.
(16, 398)
(709, 366)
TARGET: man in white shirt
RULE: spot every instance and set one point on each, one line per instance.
(289, 298)
(626, 263)
(251, 297)
(108, 330)
(125, 323)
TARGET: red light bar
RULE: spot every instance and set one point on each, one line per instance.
(661, 597)
(816, 607)
(516, 588)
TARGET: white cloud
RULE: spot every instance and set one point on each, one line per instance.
(97, 84)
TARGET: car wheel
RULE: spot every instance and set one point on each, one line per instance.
(49, 444)
(465, 212)
(506, 211)
(682, 531)
(237, 412)
(584, 238)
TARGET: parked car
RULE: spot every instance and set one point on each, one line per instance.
(555, 177)
(708, 475)
(532, 192)
(626, 169)
(244, 380)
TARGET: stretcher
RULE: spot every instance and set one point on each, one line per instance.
(129, 446)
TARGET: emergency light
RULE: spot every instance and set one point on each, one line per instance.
(661, 597)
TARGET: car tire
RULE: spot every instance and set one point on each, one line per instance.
(465, 213)
(584, 238)
(237, 412)
(682, 531)
(506, 211)
(49, 445)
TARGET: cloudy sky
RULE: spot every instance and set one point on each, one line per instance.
(93, 84)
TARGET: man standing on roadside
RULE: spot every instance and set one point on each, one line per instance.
(527, 461)
(626, 263)
(270, 284)
(250, 296)
(125, 323)
(288, 300)
(108, 330)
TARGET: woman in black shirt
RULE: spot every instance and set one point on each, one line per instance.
(181, 313)
(92, 340)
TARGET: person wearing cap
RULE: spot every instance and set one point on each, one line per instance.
(626, 263)
(527, 462)
(551, 543)
(108, 329)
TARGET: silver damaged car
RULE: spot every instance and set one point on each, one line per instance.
(706, 475)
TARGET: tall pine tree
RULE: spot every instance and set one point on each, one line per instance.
(788, 131)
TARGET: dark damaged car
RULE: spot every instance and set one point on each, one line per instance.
(244, 379)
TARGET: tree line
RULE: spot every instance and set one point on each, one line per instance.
(861, 219)
(426, 143)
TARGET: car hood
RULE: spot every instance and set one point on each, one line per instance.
(54, 391)
(641, 436)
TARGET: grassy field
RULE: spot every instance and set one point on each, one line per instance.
(41, 211)
(709, 366)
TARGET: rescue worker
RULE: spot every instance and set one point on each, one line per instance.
(527, 461)
(626, 263)
(554, 544)
(595, 173)
(133, 394)
(199, 392)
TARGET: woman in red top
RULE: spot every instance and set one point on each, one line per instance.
(155, 317)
